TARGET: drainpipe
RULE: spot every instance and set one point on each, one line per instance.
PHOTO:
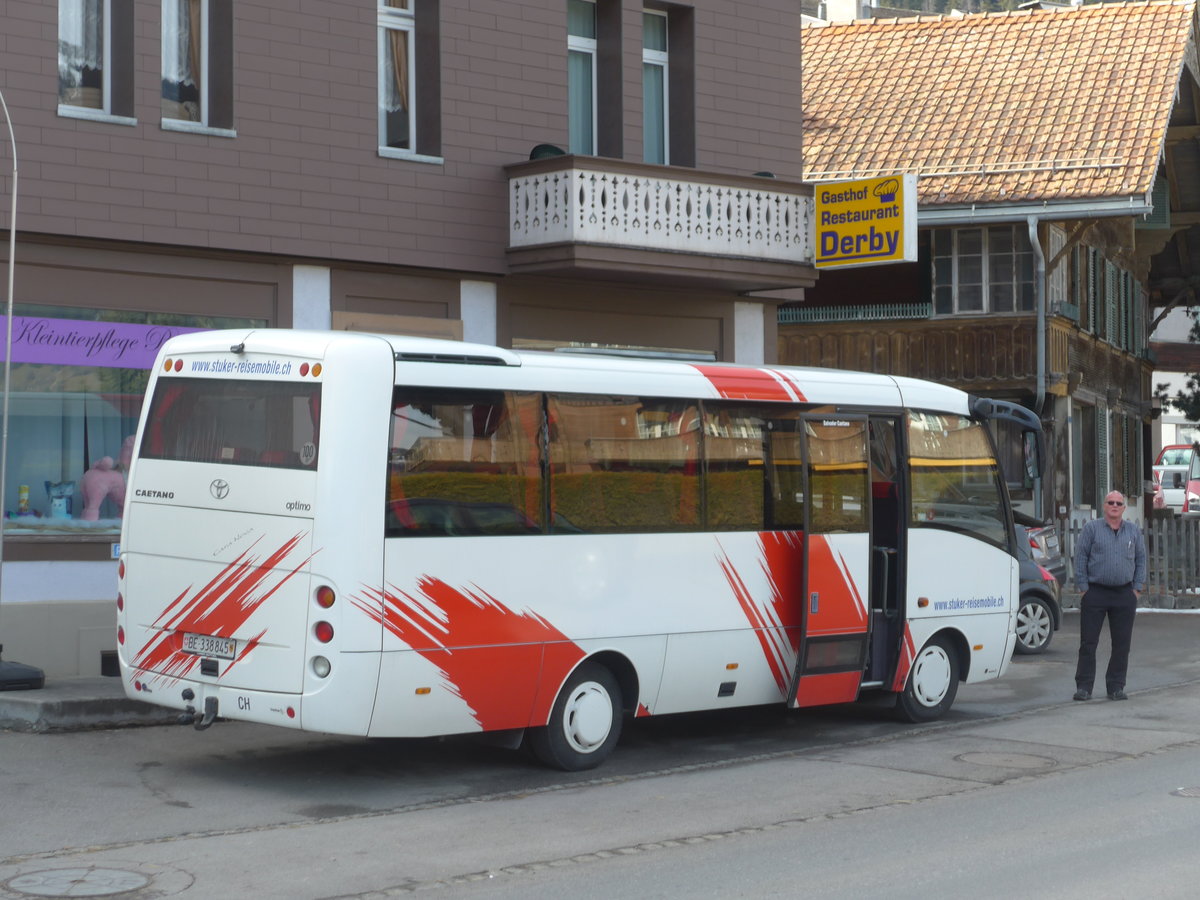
(1039, 290)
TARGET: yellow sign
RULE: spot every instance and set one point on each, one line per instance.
(866, 222)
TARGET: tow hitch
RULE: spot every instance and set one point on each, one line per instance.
(198, 720)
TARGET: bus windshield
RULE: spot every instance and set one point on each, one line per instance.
(246, 423)
(955, 480)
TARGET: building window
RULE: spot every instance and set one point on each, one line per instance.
(197, 64)
(1088, 450)
(397, 65)
(409, 78)
(982, 270)
(581, 76)
(83, 39)
(655, 105)
(95, 50)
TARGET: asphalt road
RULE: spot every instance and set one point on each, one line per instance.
(1017, 789)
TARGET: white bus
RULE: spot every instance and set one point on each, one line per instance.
(388, 536)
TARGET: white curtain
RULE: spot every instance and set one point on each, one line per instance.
(80, 38)
(180, 42)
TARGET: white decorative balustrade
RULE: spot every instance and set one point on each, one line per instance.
(594, 204)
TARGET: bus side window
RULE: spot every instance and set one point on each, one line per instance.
(463, 463)
(754, 475)
(954, 479)
(839, 480)
(624, 464)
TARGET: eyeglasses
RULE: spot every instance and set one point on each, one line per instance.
(1114, 502)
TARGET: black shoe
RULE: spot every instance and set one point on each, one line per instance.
(1081, 694)
(1117, 695)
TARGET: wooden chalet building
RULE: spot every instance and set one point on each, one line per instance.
(1046, 189)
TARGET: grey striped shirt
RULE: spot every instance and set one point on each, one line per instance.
(1108, 557)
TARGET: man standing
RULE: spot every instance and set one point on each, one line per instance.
(1110, 573)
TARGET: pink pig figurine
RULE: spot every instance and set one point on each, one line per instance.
(98, 482)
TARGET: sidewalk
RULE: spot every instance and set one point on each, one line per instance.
(74, 704)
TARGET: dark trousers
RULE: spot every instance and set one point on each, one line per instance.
(1119, 604)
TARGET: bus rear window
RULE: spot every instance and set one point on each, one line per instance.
(244, 423)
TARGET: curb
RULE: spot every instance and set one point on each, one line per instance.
(77, 704)
(41, 716)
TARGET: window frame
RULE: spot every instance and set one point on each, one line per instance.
(658, 59)
(404, 20)
(585, 46)
(1021, 252)
(116, 90)
(420, 21)
(212, 108)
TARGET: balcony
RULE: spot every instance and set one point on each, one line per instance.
(588, 217)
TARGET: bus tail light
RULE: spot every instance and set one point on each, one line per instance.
(120, 602)
(321, 666)
(325, 596)
(323, 632)
(120, 635)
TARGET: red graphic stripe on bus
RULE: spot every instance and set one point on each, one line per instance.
(908, 653)
(741, 383)
(774, 618)
(841, 609)
(491, 656)
(219, 608)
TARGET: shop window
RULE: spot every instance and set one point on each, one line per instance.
(409, 78)
(197, 64)
(95, 58)
(78, 378)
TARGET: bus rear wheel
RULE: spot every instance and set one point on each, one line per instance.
(585, 722)
(932, 683)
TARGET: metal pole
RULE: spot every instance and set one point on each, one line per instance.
(13, 675)
(8, 321)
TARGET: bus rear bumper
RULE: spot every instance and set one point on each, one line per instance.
(198, 701)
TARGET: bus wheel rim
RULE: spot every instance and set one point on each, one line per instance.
(931, 677)
(588, 717)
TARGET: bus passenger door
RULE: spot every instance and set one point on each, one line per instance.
(836, 623)
(887, 551)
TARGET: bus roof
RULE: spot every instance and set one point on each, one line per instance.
(447, 363)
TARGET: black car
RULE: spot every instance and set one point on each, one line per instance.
(1039, 614)
(1045, 545)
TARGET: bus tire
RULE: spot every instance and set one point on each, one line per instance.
(585, 722)
(932, 683)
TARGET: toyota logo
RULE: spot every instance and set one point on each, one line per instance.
(219, 489)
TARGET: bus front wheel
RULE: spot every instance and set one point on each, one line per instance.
(585, 723)
(932, 683)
